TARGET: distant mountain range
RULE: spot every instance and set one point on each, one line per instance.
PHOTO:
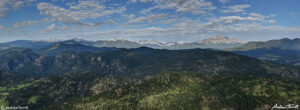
(217, 42)
(286, 51)
(69, 45)
(282, 44)
(24, 44)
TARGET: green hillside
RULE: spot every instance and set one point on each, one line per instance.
(145, 78)
(148, 61)
(167, 90)
(285, 51)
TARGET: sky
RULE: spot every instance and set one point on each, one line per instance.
(161, 20)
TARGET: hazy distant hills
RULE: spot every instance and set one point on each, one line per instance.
(115, 43)
(15, 58)
(23, 44)
(286, 51)
(69, 45)
(282, 44)
(217, 42)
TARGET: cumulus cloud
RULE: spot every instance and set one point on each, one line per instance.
(237, 19)
(55, 27)
(2, 27)
(271, 21)
(136, 33)
(87, 5)
(29, 23)
(8, 5)
(52, 27)
(148, 18)
(77, 12)
(130, 16)
(65, 27)
(98, 23)
(133, 1)
(25, 23)
(235, 8)
(78, 18)
(224, 1)
(244, 31)
(181, 6)
(236, 26)
(252, 17)
(58, 13)
(169, 21)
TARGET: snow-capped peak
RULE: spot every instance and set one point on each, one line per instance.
(150, 42)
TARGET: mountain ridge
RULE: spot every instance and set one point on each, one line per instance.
(127, 60)
(217, 42)
(285, 51)
(284, 43)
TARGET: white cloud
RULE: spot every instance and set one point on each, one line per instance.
(182, 6)
(77, 12)
(224, 1)
(87, 5)
(256, 15)
(65, 27)
(52, 27)
(29, 23)
(8, 5)
(152, 31)
(133, 1)
(238, 19)
(58, 13)
(55, 27)
(179, 25)
(195, 31)
(235, 8)
(2, 27)
(243, 27)
(25, 23)
(271, 21)
(58, 0)
(98, 23)
(253, 17)
(130, 16)
(168, 21)
(148, 18)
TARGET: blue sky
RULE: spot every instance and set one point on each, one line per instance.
(161, 20)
